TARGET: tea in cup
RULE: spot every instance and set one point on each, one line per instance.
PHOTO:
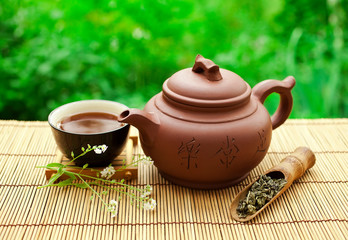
(89, 122)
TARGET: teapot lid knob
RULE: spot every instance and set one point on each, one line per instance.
(207, 67)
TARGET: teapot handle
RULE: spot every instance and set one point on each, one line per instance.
(263, 89)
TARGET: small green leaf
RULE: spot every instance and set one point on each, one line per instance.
(54, 177)
(64, 183)
(72, 154)
(80, 185)
(55, 165)
(85, 166)
(71, 175)
(60, 171)
(122, 181)
(91, 198)
(105, 192)
(88, 146)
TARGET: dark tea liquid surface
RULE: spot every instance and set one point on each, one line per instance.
(90, 122)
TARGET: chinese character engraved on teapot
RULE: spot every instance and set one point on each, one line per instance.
(228, 151)
(188, 152)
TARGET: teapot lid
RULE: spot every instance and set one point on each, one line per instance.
(206, 85)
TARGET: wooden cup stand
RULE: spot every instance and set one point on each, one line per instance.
(130, 153)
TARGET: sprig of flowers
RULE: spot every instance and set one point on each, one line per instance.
(100, 149)
(102, 180)
(150, 205)
(147, 161)
(113, 208)
(108, 172)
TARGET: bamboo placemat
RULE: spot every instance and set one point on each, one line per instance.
(315, 207)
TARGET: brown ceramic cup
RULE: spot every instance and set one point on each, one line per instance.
(68, 142)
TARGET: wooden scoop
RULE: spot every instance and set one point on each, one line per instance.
(291, 168)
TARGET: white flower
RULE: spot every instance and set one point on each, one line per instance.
(113, 202)
(147, 191)
(100, 149)
(150, 205)
(147, 161)
(108, 172)
(103, 147)
(113, 208)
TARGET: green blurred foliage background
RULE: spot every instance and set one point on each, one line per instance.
(54, 52)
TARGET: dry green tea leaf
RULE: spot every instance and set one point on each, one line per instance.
(260, 193)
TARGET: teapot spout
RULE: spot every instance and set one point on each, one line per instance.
(146, 122)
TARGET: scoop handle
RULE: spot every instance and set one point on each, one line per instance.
(296, 164)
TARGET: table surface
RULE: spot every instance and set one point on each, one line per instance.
(314, 207)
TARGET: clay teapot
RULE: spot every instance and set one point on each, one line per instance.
(207, 128)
